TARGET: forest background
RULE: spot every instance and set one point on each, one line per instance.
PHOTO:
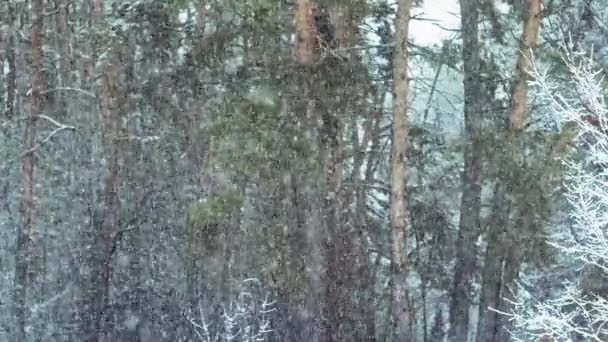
(298, 170)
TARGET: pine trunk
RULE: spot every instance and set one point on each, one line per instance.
(22, 252)
(469, 225)
(501, 265)
(305, 238)
(105, 231)
(11, 60)
(306, 36)
(529, 41)
(401, 315)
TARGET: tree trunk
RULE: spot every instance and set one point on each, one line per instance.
(492, 273)
(11, 77)
(62, 40)
(306, 236)
(22, 252)
(399, 218)
(469, 225)
(338, 293)
(201, 17)
(364, 279)
(346, 250)
(501, 265)
(306, 36)
(529, 41)
(105, 234)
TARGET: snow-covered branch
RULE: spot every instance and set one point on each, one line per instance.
(574, 312)
(246, 319)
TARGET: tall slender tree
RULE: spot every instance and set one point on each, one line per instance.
(305, 239)
(106, 229)
(401, 314)
(501, 264)
(62, 38)
(11, 77)
(22, 252)
(469, 225)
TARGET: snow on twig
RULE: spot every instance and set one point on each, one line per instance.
(574, 313)
(246, 319)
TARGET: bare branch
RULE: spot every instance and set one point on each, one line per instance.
(60, 127)
(56, 10)
(77, 90)
(56, 123)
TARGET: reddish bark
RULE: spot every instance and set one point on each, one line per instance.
(24, 234)
(529, 41)
(306, 36)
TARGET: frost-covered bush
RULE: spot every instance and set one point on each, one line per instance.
(248, 318)
(575, 311)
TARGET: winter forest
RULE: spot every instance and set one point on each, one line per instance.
(303, 170)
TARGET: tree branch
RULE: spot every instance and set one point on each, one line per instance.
(60, 127)
(77, 90)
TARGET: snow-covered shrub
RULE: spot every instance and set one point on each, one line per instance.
(246, 319)
(576, 311)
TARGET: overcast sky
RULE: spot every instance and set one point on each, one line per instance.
(427, 32)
